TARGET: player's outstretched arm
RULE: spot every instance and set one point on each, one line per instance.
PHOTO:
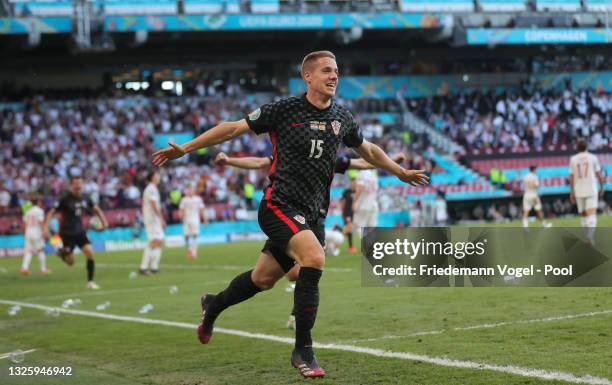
(248, 162)
(221, 133)
(361, 164)
(48, 218)
(376, 156)
(101, 215)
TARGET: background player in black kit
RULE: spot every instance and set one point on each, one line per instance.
(72, 206)
(305, 133)
(347, 215)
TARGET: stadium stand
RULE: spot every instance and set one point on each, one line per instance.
(558, 5)
(23, 8)
(599, 5)
(137, 7)
(503, 5)
(211, 6)
(520, 122)
(436, 5)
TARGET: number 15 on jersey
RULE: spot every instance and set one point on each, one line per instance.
(316, 144)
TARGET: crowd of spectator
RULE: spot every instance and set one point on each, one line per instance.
(109, 141)
(520, 121)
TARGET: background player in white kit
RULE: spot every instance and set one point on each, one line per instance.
(154, 225)
(365, 203)
(585, 170)
(191, 209)
(34, 240)
(531, 199)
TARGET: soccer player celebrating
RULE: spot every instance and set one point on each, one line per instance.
(531, 199)
(71, 207)
(154, 224)
(190, 210)
(305, 133)
(34, 241)
(584, 170)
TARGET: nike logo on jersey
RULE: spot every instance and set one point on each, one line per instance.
(296, 124)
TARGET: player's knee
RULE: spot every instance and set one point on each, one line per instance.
(315, 259)
(292, 275)
(264, 282)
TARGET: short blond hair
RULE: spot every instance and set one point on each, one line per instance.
(314, 56)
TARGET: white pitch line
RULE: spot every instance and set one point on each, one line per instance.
(488, 326)
(440, 361)
(9, 354)
(89, 293)
(208, 267)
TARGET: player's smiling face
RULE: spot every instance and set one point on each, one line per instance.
(324, 77)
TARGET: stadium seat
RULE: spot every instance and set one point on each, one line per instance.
(436, 6)
(211, 6)
(503, 5)
(138, 7)
(599, 5)
(265, 6)
(22, 8)
(558, 5)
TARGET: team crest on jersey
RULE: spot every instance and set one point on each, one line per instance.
(300, 219)
(336, 126)
(314, 125)
(255, 114)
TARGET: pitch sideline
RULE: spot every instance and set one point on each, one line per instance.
(440, 361)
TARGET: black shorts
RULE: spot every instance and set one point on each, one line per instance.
(71, 240)
(281, 222)
(347, 217)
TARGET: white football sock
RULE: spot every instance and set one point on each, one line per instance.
(27, 257)
(591, 222)
(155, 258)
(42, 260)
(146, 258)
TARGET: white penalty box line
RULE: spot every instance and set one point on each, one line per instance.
(487, 326)
(440, 361)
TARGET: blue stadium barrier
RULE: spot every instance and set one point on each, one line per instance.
(599, 5)
(385, 118)
(387, 87)
(265, 6)
(138, 7)
(272, 22)
(436, 5)
(211, 6)
(558, 5)
(503, 5)
(546, 172)
(216, 232)
(42, 8)
(520, 36)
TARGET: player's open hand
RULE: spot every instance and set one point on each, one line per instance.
(573, 199)
(175, 151)
(221, 159)
(414, 177)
